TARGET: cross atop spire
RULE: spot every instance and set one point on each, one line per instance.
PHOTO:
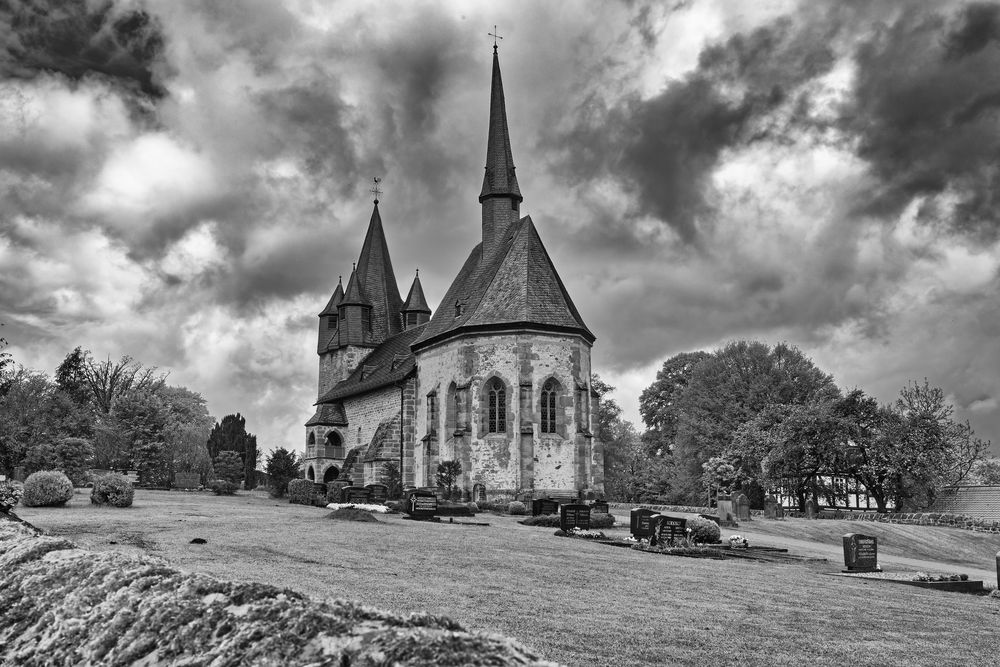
(495, 35)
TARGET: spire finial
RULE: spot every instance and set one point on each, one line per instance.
(495, 35)
(354, 267)
(376, 190)
(418, 272)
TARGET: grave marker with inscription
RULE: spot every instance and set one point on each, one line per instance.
(378, 493)
(669, 528)
(421, 504)
(641, 523)
(574, 516)
(860, 552)
(544, 506)
(741, 507)
(353, 494)
(599, 507)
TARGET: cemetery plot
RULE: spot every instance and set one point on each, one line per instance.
(860, 552)
(421, 505)
(574, 516)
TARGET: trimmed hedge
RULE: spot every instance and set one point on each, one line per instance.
(517, 507)
(224, 487)
(301, 492)
(113, 608)
(597, 520)
(113, 489)
(47, 488)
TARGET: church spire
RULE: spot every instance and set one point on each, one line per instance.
(415, 310)
(378, 281)
(500, 196)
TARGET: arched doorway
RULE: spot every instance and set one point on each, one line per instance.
(334, 445)
(331, 474)
(311, 474)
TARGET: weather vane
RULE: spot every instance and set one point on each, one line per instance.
(495, 35)
(376, 190)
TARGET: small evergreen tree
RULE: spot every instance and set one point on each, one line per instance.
(393, 480)
(447, 475)
(229, 467)
(231, 434)
(283, 467)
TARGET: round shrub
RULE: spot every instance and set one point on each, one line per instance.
(301, 491)
(223, 487)
(517, 507)
(704, 531)
(47, 488)
(473, 507)
(113, 489)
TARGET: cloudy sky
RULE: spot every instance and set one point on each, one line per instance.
(184, 181)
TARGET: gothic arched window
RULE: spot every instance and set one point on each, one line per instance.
(497, 416)
(549, 391)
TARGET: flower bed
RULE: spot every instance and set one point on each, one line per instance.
(367, 507)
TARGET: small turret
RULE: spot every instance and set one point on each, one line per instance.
(415, 309)
(329, 318)
(355, 313)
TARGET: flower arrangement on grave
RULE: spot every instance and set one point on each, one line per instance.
(923, 576)
(365, 507)
(10, 495)
(576, 531)
(738, 542)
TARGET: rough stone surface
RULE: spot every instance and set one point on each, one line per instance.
(63, 605)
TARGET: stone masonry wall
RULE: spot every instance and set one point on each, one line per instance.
(365, 413)
(523, 362)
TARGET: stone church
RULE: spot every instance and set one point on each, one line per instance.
(498, 378)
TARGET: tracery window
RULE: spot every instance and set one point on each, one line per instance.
(497, 418)
(549, 391)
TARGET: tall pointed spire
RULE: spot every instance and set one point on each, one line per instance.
(378, 282)
(415, 309)
(499, 180)
(500, 196)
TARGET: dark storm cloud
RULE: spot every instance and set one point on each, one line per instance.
(78, 39)
(664, 148)
(926, 114)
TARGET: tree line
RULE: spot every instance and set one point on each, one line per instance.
(755, 418)
(120, 415)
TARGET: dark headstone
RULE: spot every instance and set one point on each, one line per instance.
(421, 504)
(860, 552)
(599, 507)
(741, 507)
(669, 528)
(353, 494)
(378, 493)
(641, 523)
(544, 506)
(574, 515)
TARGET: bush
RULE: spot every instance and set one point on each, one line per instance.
(301, 491)
(223, 487)
(597, 520)
(704, 531)
(473, 507)
(113, 489)
(517, 507)
(47, 488)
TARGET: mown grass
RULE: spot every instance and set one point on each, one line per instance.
(573, 601)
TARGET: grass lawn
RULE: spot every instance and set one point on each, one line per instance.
(574, 602)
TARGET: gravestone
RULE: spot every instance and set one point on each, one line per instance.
(187, 480)
(421, 504)
(353, 494)
(641, 523)
(599, 507)
(860, 552)
(378, 493)
(544, 506)
(669, 528)
(770, 507)
(132, 476)
(741, 507)
(574, 515)
(812, 510)
(726, 515)
(19, 475)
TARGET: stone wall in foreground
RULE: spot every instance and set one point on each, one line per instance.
(63, 605)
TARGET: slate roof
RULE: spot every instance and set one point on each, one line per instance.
(338, 296)
(499, 178)
(516, 286)
(981, 502)
(415, 301)
(388, 363)
(378, 282)
(382, 447)
(329, 414)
